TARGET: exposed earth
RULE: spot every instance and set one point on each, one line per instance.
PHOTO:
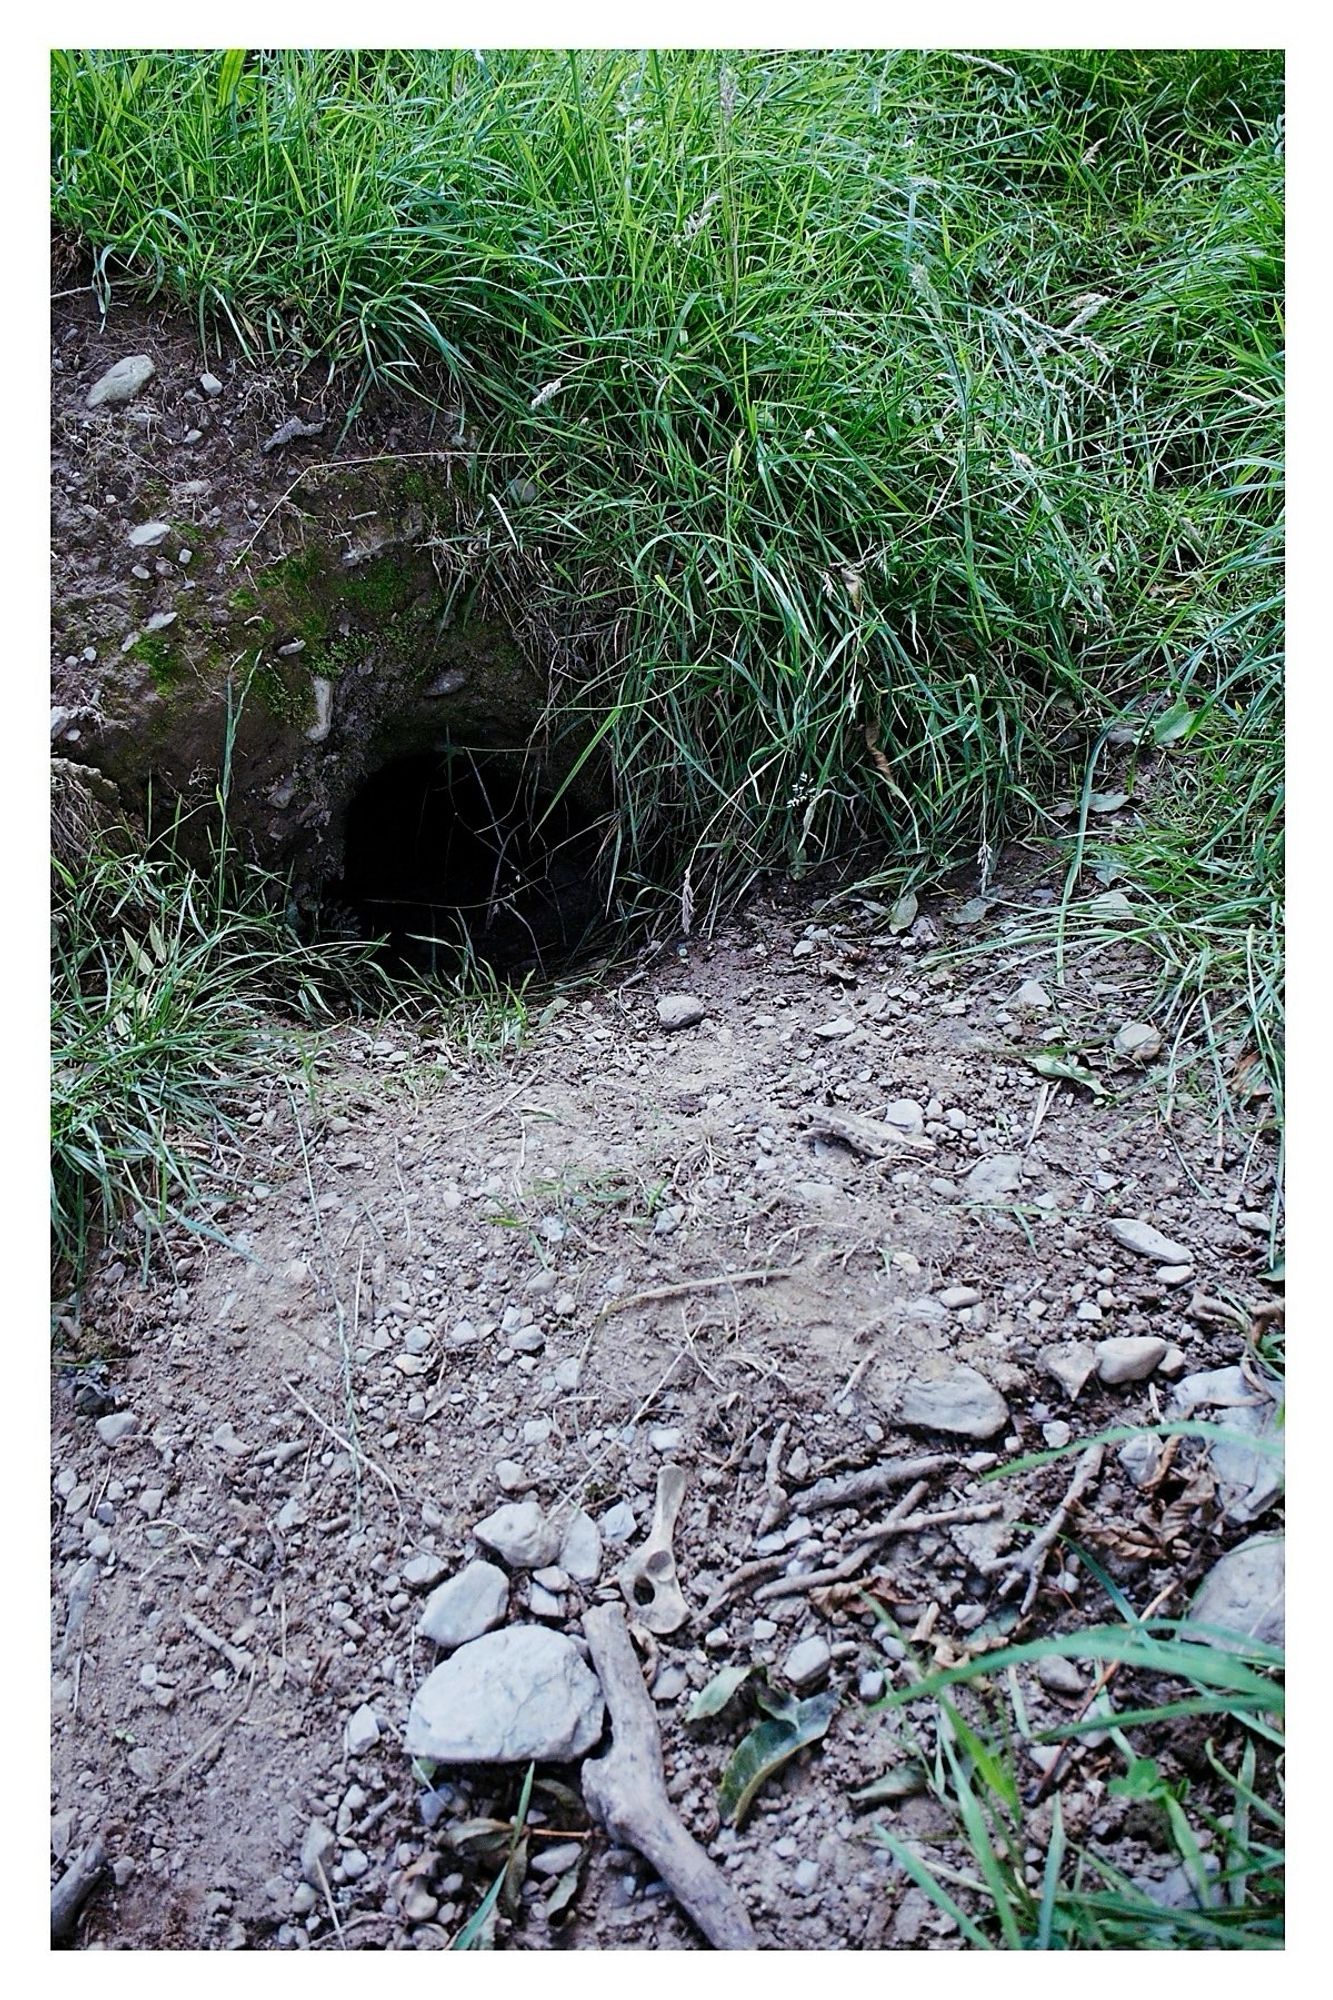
(777, 1243)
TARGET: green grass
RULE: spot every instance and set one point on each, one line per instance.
(865, 433)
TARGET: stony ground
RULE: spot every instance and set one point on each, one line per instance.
(837, 1221)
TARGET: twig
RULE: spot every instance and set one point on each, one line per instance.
(346, 1443)
(236, 1656)
(626, 1791)
(73, 1889)
(871, 1484)
(775, 1493)
(853, 1382)
(1028, 1563)
(682, 1290)
(908, 1524)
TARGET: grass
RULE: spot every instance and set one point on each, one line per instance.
(864, 435)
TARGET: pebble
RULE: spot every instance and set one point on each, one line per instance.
(618, 1523)
(1139, 1041)
(905, 1115)
(1175, 1274)
(148, 534)
(552, 1577)
(510, 1476)
(555, 1860)
(807, 1663)
(122, 381)
(521, 1535)
(1140, 1457)
(111, 1429)
(537, 1430)
(665, 1439)
(362, 1731)
(955, 1297)
(528, 1340)
(994, 1178)
(679, 1010)
(580, 1552)
(544, 1603)
(517, 1694)
(836, 1029)
(210, 385)
(354, 1865)
(1070, 1362)
(671, 1682)
(806, 1876)
(1032, 997)
(963, 1403)
(1244, 1594)
(422, 1571)
(466, 1605)
(1056, 1433)
(870, 1686)
(1060, 1676)
(318, 1851)
(1145, 1241)
(1128, 1357)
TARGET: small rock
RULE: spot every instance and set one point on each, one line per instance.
(210, 385)
(807, 1663)
(148, 534)
(537, 1430)
(870, 1686)
(666, 1439)
(679, 1010)
(1128, 1357)
(955, 1297)
(1032, 997)
(521, 1535)
(423, 1571)
(1056, 1433)
(1061, 1677)
(510, 1476)
(1070, 1362)
(362, 1731)
(514, 1695)
(555, 1860)
(122, 381)
(581, 1548)
(319, 1850)
(618, 1523)
(806, 1877)
(995, 1178)
(552, 1578)
(836, 1029)
(544, 1603)
(1138, 1041)
(1145, 1241)
(111, 1429)
(1140, 1457)
(1244, 1594)
(417, 1904)
(354, 1865)
(905, 1115)
(1174, 1274)
(304, 1899)
(962, 1402)
(466, 1605)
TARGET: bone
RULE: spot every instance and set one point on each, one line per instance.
(626, 1790)
(654, 1563)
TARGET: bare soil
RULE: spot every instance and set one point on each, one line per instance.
(325, 1384)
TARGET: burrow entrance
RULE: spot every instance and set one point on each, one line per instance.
(460, 855)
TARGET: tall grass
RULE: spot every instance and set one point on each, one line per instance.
(862, 433)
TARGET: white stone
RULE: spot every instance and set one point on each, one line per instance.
(808, 1662)
(464, 1606)
(1145, 1241)
(679, 1010)
(995, 1178)
(581, 1548)
(521, 1535)
(1128, 1358)
(1245, 1595)
(362, 1731)
(514, 1695)
(122, 381)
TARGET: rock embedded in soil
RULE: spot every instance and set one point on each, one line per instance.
(994, 1179)
(122, 381)
(807, 1663)
(422, 1572)
(517, 1694)
(1145, 1241)
(1138, 1041)
(963, 1403)
(113, 1428)
(955, 1297)
(1128, 1358)
(148, 534)
(362, 1732)
(680, 1010)
(618, 1523)
(581, 1548)
(522, 1536)
(1248, 1480)
(319, 1851)
(1061, 1676)
(1032, 997)
(1245, 1595)
(464, 1606)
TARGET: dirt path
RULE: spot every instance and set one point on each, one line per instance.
(452, 1285)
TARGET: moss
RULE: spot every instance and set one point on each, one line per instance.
(285, 692)
(165, 661)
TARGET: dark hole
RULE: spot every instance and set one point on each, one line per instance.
(643, 1591)
(461, 856)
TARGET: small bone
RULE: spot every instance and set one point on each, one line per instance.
(653, 1566)
(626, 1789)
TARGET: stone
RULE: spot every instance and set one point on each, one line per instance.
(1070, 1363)
(422, 1571)
(1061, 1676)
(521, 1535)
(319, 1851)
(1128, 1357)
(994, 1179)
(1056, 1433)
(962, 1402)
(905, 1115)
(510, 1476)
(955, 1297)
(806, 1877)
(113, 1428)
(1032, 998)
(148, 534)
(1138, 1041)
(808, 1662)
(544, 1603)
(1145, 1241)
(354, 1865)
(466, 1605)
(550, 1861)
(362, 1731)
(514, 1695)
(581, 1548)
(1248, 1479)
(1141, 1457)
(618, 1523)
(671, 1682)
(666, 1438)
(679, 1010)
(1243, 1595)
(870, 1685)
(210, 385)
(122, 381)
